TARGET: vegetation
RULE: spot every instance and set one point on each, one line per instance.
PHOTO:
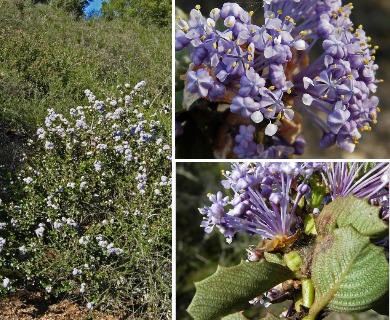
(48, 58)
(155, 11)
(85, 170)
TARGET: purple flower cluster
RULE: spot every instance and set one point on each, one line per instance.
(266, 195)
(262, 203)
(264, 71)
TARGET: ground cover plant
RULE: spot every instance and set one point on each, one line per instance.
(85, 209)
(248, 83)
(318, 235)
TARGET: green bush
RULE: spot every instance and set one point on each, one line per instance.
(153, 11)
(94, 217)
(47, 57)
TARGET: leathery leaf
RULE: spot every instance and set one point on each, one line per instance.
(225, 290)
(349, 273)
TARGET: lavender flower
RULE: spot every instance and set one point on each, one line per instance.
(261, 204)
(199, 82)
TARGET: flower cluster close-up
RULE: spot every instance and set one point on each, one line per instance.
(316, 236)
(267, 197)
(89, 216)
(307, 59)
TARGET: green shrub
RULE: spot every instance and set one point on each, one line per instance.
(47, 57)
(152, 11)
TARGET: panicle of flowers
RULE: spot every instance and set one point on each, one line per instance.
(265, 74)
(262, 203)
(266, 195)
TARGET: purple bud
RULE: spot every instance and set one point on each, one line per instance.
(328, 139)
(181, 41)
(303, 188)
(325, 29)
(299, 145)
(266, 191)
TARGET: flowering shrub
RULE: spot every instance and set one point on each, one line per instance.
(322, 231)
(264, 74)
(94, 219)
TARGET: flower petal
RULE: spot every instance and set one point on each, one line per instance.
(271, 129)
(257, 117)
(307, 99)
(306, 82)
(300, 45)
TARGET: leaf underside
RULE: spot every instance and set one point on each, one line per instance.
(229, 288)
(349, 273)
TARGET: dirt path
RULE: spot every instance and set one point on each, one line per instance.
(26, 306)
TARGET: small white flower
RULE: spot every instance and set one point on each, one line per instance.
(300, 45)
(90, 305)
(83, 185)
(71, 185)
(84, 240)
(139, 85)
(39, 231)
(49, 145)
(76, 271)
(98, 165)
(6, 282)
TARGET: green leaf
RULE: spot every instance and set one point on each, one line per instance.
(349, 273)
(309, 226)
(235, 316)
(351, 211)
(275, 258)
(317, 195)
(307, 293)
(228, 288)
